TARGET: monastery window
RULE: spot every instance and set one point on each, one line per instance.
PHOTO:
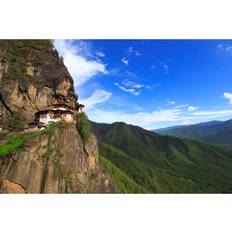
(43, 116)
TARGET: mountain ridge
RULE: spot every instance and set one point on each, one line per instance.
(168, 164)
(212, 132)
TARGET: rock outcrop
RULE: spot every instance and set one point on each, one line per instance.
(33, 77)
(57, 162)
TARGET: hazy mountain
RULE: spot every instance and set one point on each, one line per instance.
(157, 163)
(213, 132)
(166, 128)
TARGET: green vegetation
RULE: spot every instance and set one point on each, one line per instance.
(3, 134)
(124, 183)
(16, 48)
(13, 123)
(83, 126)
(32, 62)
(138, 172)
(163, 163)
(19, 46)
(215, 132)
(17, 141)
(16, 55)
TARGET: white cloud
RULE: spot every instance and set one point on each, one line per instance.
(131, 87)
(192, 108)
(125, 60)
(181, 106)
(228, 96)
(100, 54)
(157, 117)
(128, 90)
(130, 49)
(143, 119)
(187, 122)
(80, 67)
(125, 89)
(171, 102)
(213, 113)
(164, 65)
(98, 96)
(132, 84)
(137, 53)
(224, 47)
(137, 93)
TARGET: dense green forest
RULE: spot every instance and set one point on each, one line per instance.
(163, 164)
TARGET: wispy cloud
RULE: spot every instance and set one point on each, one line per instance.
(127, 89)
(81, 68)
(100, 54)
(130, 49)
(170, 102)
(137, 53)
(213, 113)
(132, 84)
(181, 106)
(125, 60)
(192, 108)
(187, 122)
(141, 118)
(154, 118)
(131, 87)
(98, 96)
(133, 51)
(228, 96)
(224, 48)
(164, 65)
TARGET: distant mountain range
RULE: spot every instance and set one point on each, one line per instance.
(213, 132)
(140, 160)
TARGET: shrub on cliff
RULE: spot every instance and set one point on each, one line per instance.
(17, 141)
(13, 123)
(83, 126)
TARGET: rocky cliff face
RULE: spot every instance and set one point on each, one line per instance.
(33, 77)
(56, 162)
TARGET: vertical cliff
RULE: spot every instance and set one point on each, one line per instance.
(54, 160)
(32, 77)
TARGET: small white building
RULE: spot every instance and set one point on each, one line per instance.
(55, 113)
(80, 108)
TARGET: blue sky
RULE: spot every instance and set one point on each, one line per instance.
(151, 83)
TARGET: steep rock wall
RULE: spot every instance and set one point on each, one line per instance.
(32, 77)
(59, 162)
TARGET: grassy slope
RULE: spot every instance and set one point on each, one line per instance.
(16, 141)
(164, 163)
